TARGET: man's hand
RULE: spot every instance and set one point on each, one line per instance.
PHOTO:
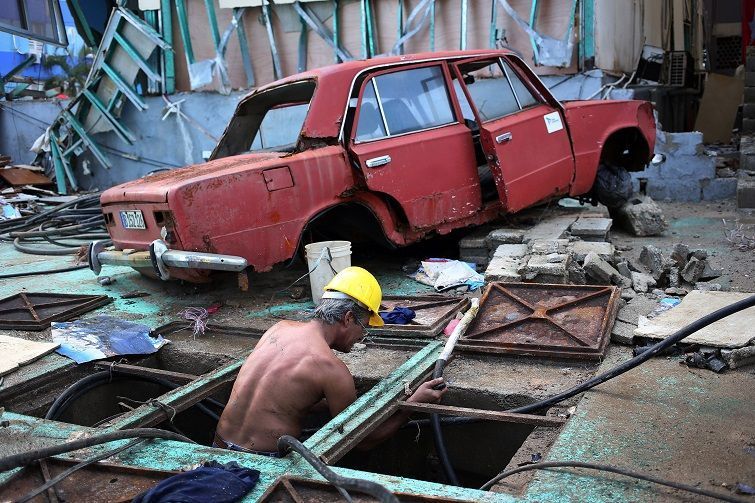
(426, 394)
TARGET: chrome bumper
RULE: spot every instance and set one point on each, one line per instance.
(160, 258)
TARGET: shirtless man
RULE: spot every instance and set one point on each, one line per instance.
(293, 368)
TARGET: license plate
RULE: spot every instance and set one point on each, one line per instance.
(133, 219)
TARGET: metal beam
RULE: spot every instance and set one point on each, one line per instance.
(124, 87)
(91, 144)
(183, 25)
(491, 415)
(16, 69)
(463, 27)
(209, 6)
(178, 399)
(277, 71)
(533, 18)
(142, 63)
(119, 129)
(78, 13)
(309, 17)
(168, 58)
(246, 57)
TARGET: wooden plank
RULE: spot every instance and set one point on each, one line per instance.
(15, 352)
(18, 177)
(490, 415)
(168, 375)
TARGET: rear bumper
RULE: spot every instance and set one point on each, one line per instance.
(160, 258)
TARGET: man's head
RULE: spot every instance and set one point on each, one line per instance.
(348, 317)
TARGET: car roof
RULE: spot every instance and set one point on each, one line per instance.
(327, 109)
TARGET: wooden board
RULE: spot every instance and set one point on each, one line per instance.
(17, 177)
(15, 352)
(718, 108)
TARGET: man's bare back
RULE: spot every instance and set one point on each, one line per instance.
(290, 370)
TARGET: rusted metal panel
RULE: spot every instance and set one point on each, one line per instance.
(102, 482)
(433, 312)
(560, 321)
(278, 178)
(16, 177)
(289, 489)
(35, 311)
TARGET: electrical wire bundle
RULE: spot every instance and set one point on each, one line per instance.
(57, 231)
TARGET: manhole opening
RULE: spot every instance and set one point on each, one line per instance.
(478, 450)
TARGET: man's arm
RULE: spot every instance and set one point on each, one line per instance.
(424, 394)
(338, 387)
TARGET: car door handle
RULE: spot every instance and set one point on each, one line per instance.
(376, 162)
(503, 137)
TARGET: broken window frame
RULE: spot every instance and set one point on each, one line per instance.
(56, 19)
(442, 64)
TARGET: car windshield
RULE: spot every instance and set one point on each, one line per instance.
(269, 121)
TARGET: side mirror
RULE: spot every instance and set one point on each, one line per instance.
(658, 159)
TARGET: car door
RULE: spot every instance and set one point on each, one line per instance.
(523, 135)
(410, 144)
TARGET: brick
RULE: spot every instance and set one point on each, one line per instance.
(591, 229)
(505, 236)
(719, 188)
(604, 250)
(745, 191)
(503, 269)
(511, 251)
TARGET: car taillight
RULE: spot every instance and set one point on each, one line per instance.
(166, 224)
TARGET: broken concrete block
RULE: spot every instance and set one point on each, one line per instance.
(510, 250)
(623, 333)
(591, 229)
(576, 274)
(628, 294)
(604, 250)
(598, 269)
(641, 216)
(710, 272)
(700, 254)
(623, 268)
(538, 267)
(473, 243)
(621, 281)
(641, 282)
(679, 254)
(676, 291)
(652, 258)
(550, 229)
(505, 236)
(745, 190)
(545, 247)
(740, 357)
(555, 257)
(673, 277)
(693, 270)
(504, 269)
(708, 287)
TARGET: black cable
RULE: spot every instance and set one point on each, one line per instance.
(62, 475)
(439, 441)
(612, 469)
(24, 458)
(83, 386)
(377, 491)
(642, 357)
(46, 271)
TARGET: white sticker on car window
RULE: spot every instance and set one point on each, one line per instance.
(553, 122)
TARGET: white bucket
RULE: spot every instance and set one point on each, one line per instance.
(338, 253)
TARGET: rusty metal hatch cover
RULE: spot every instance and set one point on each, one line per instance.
(35, 311)
(560, 321)
(433, 312)
(289, 489)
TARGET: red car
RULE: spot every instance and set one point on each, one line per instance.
(405, 146)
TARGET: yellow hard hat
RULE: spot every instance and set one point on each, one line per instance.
(359, 285)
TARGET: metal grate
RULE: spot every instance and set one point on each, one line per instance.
(561, 321)
(35, 311)
(677, 68)
(728, 52)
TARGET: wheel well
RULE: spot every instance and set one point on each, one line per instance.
(350, 221)
(626, 148)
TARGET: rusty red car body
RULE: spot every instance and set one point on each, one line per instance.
(256, 205)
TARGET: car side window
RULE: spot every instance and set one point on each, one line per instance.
(370, 124)
(489, 89)
(526, 98)
(409, 100)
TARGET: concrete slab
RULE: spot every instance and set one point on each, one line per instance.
(551, 229)
(734, 331)
(511, 251)
(602, 249)
(591, 229)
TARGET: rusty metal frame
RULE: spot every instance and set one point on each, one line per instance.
(586, 348)
(79, 304)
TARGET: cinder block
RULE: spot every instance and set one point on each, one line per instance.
(511, 251)
(750, 79)
(544, 247)
(748, 111)
(505, 236)
(602, 249)
(688, 167)
(719, 188)
(503, 269)
(745, 191)
(592, 229)
(749, 94)
(750, 64)
(689, 143)
(747, 161)
(473, 242)
(674, 190)
(748, 125)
